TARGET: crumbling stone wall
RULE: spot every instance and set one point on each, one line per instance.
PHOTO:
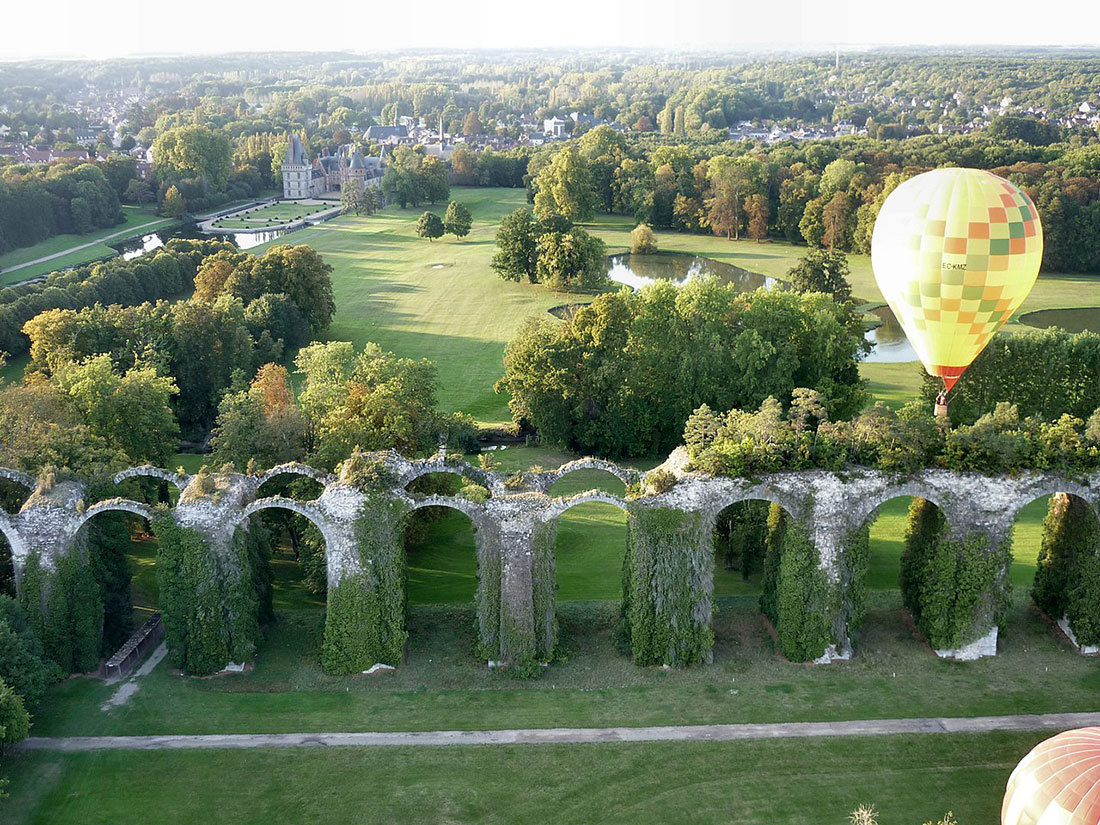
(514, 530)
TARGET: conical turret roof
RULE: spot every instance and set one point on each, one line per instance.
(296, 153)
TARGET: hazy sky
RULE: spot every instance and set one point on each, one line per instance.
(74, 28)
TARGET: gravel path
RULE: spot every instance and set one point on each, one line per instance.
(132, 231)
(553, 736)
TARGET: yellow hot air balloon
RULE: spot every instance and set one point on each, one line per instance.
(955, 252)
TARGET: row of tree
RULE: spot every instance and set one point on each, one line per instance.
(823, 193)
(245, 311)
(41, 201)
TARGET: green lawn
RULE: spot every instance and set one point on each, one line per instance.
(893, 384)
(436, 300)
(910, 779)
(135, 220)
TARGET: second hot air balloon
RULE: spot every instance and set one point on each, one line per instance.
(955, 252)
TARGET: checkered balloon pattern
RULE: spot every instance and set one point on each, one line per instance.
(955, 252)
(1057, 783)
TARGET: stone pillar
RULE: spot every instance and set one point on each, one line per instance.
(46, 526)
(515, 540)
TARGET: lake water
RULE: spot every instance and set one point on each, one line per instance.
(679, 268)
(1081, 319)
(890, 344)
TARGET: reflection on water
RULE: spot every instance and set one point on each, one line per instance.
(890, 344)
(639, 270)
(247, 240)
(139, 246)
(1081, 319)
(134, 247)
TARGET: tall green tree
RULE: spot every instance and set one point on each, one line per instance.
(193, 152)
(571, 260)
(174, 205)
(821, 270)
(458, 221)
(565, 187)
(516, 257)
(132, 411)
(429, 226)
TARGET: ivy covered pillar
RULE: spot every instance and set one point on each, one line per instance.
(813, 588)
(668, 584)
(54, 579)
(843, 556)
(954, 578)
(516, 642)
(365, 620)
(1067, 579)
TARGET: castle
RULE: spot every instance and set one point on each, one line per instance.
(302, 179)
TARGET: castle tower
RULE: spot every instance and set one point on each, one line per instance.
(296, 171)
(357, 169)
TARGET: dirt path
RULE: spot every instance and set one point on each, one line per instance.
(554, 736)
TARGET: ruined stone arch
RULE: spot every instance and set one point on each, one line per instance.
(544, 481)
(18, 477)
(294, 468)
(447, 466)
(118, 505)
(558, 506)
(1047, 486)
(179, 480)
(476, 512)
(794, 504)
(15, 540)
(302, 508)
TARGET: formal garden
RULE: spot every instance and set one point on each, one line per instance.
(272, 215)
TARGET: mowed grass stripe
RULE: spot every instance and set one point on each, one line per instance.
(907, 778)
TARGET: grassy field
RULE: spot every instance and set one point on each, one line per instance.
(910, 779)
(135, 220)
(436, 300)
(441, 300)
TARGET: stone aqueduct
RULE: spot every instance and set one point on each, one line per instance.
(831, 505)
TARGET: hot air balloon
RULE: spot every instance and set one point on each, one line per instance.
(955, 252)
(1058, 782)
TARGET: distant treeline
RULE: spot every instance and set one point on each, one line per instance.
(825, 193)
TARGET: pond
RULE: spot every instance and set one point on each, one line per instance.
(1078, 319)
(679, 268)
(890, 344)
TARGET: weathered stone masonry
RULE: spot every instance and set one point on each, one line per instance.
(514, 530)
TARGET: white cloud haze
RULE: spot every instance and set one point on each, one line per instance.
(71, 28)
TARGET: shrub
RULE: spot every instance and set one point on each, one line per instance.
(642, 240)
(802, 595)
(660, 480)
